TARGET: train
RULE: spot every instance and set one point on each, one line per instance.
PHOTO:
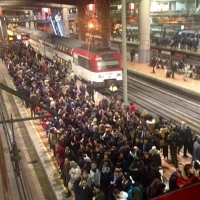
(99, 65)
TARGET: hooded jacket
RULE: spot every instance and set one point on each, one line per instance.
(155, 157)
(184, 180)
(163, 132)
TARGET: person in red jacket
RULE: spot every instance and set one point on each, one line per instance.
(188, 176)
(60, 154)
(132, 107)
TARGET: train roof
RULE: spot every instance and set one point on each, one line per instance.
(96, 48)
(30, 31)
(69, 42)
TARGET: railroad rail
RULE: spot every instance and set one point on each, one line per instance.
(163, 99)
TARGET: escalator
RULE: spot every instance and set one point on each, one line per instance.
(57, 25)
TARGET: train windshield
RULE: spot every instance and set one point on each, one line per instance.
(104, 65)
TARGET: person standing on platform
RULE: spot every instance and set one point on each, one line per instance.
(173, 139)
(90, 90)
(173, 68)
(185, 71)
(196, 150)
(132, 54)
(84, 191)
(186, 136)
(154, 64)
(113, 89)
(98, 193)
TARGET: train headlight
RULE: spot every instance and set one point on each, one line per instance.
(100, 76)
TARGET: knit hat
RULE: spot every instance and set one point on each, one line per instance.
(153, 148)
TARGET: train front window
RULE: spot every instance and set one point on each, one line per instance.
(104, 65)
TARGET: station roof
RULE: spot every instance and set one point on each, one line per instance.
(39, 3)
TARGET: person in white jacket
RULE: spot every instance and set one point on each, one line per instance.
(120, 195)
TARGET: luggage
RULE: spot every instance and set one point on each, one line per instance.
(168, 73)
(195, 76)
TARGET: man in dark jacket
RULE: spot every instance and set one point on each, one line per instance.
(99, 194)
(90, 90)
(84, 192)
(196, 150)
(186, 136)
(173, 139)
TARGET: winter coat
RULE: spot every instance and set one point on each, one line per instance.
(155, 157)
(163, 133)
(100, 196)
(184, 180)
(196, 150)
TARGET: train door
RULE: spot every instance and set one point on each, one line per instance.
(76, 67)
(165, 59)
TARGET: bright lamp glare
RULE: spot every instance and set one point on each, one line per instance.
(91, 25)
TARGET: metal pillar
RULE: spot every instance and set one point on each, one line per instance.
(144, 31)
(81, 20)
(124, 53)
(27, 24)
(65, 16)
(103, 8)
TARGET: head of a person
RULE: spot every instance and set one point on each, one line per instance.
(146, 155)
(145, 141)
(135, 148)
(97, 188)
(189, 170)
(73, 164)
(94, 165)
(67, 160)
(116, 193)
(85, 174)
(67, 150)
(117, 172)
(183, 124)
(125, 176)
(84, 182)
(105, 162)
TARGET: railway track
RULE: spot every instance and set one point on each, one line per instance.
(163, 100)
(24, 180)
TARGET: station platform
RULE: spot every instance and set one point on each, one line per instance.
(40, 141)
(160, 74)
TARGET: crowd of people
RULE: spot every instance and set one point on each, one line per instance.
(105, 150)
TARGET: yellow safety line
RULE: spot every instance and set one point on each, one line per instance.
(44, 147)
(47, 153)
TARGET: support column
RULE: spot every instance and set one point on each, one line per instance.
(32, 15)
(32, 25)
(65, 16)
(144, 31)
(81, 20)
(103, 8)
(27, 24)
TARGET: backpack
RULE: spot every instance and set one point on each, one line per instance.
(166, 136)
(130, 192)
(172, 181)
(173, 138)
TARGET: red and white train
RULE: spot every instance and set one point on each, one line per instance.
(100, 65)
